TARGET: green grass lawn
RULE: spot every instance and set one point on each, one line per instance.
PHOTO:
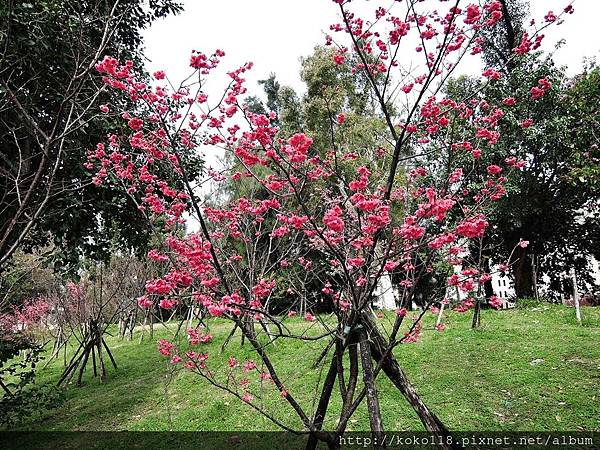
(529, 369)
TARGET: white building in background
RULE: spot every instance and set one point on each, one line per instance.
(385, 293)
(503, 286)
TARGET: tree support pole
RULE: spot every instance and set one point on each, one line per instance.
(372, 399)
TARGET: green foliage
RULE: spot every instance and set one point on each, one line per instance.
(25, 277)
(553, 202)
(271, 87)
(585, 171)
(19, 398)
(503, 36)
(16, 372)
(333, 89)
(29, 404)
(291, 116)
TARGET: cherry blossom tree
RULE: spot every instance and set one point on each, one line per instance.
(364, 212)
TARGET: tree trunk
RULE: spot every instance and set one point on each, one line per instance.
(522, 272)
(488, 287)
(440, 314)
(397, 376)
(319, 417)
(476, 314)
(372, 399)
(536, 292)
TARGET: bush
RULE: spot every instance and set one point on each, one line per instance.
(19, 399)
(29, 403)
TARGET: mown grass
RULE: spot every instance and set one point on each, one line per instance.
(529, 369)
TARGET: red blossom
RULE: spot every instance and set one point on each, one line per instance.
(135, 123)
(527, 123)
(509, 101)
(401, 312)
(333, 219)
(495, 302)
(473, 227)
(494, 169)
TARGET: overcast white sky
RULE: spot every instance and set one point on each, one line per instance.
(274, 34)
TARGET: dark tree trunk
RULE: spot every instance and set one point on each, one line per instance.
(319, 417)
(522, 272)
(372, 399)
(488, 288)
(476, 314)
(397, 376)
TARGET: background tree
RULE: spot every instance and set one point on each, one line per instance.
(548, 204)
(49, 107)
